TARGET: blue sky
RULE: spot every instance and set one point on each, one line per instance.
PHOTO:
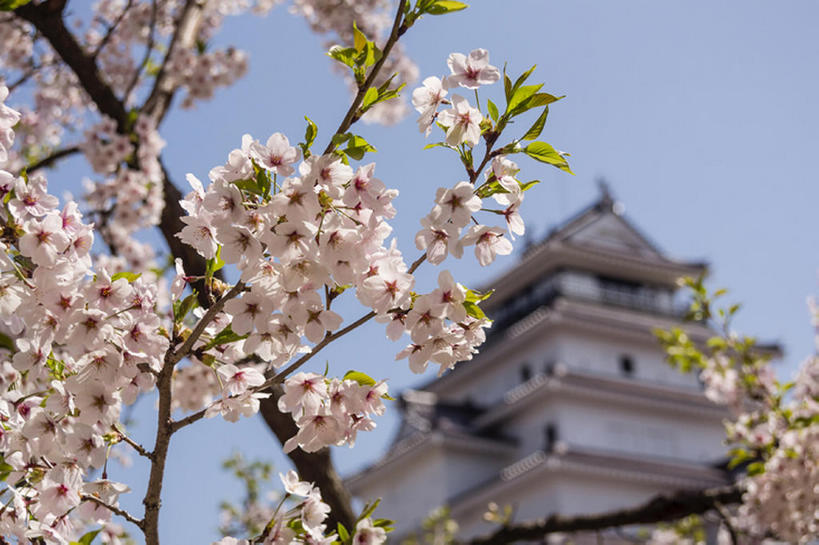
(702, 116)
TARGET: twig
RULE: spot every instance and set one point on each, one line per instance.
(47, 19)
(52, 158)
(352, 113)
(726, 519)
(111, 29)
(116, 510)
(186, 347)
(149, 46)
(658, 509)
(279, 377)
(187, 27)
(142, 451)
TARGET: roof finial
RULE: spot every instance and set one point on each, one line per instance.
(606, 200)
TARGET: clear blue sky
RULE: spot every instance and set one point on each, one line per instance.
(701, 115)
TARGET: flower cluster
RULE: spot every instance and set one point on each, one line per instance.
(330, 412)
(86, 342)
(773, 432)
(304, 522)
(463, 122)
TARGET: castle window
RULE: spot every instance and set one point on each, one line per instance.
(525, 373)
(626, 366)
(550, 437)
(549, 368)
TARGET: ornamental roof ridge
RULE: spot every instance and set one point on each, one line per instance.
(523, 465)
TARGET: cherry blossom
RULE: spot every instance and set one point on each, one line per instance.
(463, 122)
(472, 71)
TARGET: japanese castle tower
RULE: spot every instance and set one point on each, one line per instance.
(570, 407)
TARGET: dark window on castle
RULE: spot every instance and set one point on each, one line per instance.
(525, 373)
(626, 365)
(549, 368)
(550, 437)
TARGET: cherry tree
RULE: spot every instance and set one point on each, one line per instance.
(92, 319)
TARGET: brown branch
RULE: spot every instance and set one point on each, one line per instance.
(203, 322)
(116, 510)
(315, 467)
(47, 18)
(279, 377)
(149, 47)
(49, 160)
(187, 27)
(153, 494)
(353, 114)
(170, 223)
(661, 508)
(112, 29)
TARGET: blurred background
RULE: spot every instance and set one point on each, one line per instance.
(702, 117)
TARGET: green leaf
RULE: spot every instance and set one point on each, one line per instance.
(493, 110)
(489, 188)
(477, 297)
(343, 534)
(262, 180)
(129, 276)
(368, 509)
(370, 98)
(519, 95)
(5, 468)
(6, 342)
(8, 5)
(225, 336)
(359, 39)
(523, 77)
(86, 539)
(251, 186)
(181, 308)
(438, 144)
(310, 133)
(756, 468)
(357, 147)
(545, 153)
(474, 310)
(361, 378)
(344, 55)
(528, 185)
(535, 130)
(507, 85)
(440, 7)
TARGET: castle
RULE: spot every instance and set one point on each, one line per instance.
(570, 407)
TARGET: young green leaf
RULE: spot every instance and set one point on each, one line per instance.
(441, 7)
(87, 538)
(359, 39)
(343, 534)
(493, 110)
(181, 308)
(370, 98)
(129, 276)
(535, 130)
(344, 55)
(361, 378)
(545, 153)
(519, 95)
(225, 336)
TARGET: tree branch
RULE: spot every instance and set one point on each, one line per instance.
(49, 160)
(316, 467)
(658, 509)
(47, 18)
(116, 510)
(187, 27)
(352, 113)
